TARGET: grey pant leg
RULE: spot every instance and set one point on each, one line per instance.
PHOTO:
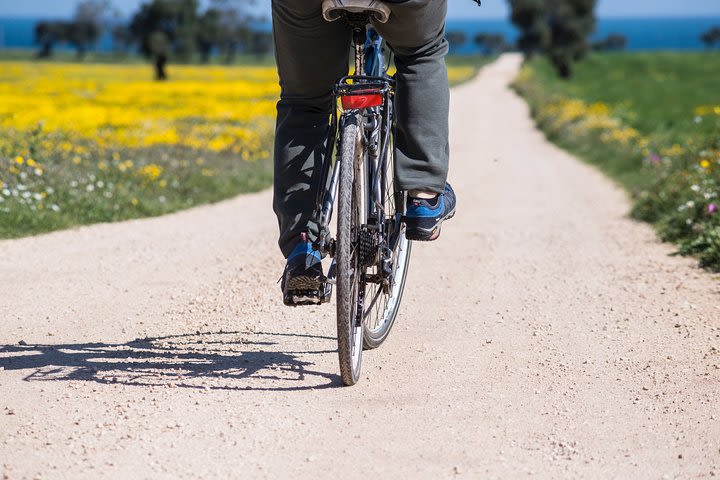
(311, 55)
(416, 34)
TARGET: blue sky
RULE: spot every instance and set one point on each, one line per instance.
(458, 9)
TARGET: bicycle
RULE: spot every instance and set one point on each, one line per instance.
(370, 254)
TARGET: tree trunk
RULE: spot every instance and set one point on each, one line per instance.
(160, 61)
(45, 50)
(562, 66)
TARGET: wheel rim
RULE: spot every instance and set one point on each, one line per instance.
(381, 307)
(356, 325)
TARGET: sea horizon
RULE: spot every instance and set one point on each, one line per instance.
(643, 33)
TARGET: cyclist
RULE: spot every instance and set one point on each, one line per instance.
(312, 54)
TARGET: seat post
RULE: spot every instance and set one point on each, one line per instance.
(358, 22)
(359, 35)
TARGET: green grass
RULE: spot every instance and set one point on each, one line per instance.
(83, 194)
(651, 121)
(475, 61)
(653, 92)
(471, 63)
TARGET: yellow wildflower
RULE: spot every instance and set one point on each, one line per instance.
(126, 165)
(150, 172)
(705, 164)
(624, 135)
(598, 109)
(19, 160)
(460, 74)
(674, 151)
(705, 110)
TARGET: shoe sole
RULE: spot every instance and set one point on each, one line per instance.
(300, 299)
(419, 234)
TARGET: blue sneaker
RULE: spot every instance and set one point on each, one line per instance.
(423, 218)
(303, 282)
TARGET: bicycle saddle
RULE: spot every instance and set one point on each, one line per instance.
(334, 9)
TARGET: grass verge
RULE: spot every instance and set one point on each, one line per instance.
(463, 68)
(651, 121)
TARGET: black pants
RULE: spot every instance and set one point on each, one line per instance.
(312, 55)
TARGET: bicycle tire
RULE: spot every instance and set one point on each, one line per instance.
(382, 308)
(349, 212)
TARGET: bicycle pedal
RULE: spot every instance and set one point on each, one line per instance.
(300, 298)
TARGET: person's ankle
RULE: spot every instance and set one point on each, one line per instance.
(422, 194)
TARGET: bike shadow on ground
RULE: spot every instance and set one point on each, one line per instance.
(206, 361)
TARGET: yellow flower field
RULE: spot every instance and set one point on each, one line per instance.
(81, 143)
(120, 106)
(215, 108)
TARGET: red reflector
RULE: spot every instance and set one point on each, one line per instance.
(352, 102)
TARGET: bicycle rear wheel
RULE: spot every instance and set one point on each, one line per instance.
(350, 215)
(382, 300)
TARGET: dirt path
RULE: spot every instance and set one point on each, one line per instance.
(544, 334)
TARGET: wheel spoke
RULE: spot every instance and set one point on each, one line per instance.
(381, 311)
(374, 300)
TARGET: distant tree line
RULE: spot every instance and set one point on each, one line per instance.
(161, 29)
(82, 32)
(180, 29)
(486, 43)
(612, 43)
(711, 37)
(495, 43)
(558, 29)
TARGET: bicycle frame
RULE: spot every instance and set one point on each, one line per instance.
(370, 253)
(367, 98)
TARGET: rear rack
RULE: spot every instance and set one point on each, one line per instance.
(361, 84)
